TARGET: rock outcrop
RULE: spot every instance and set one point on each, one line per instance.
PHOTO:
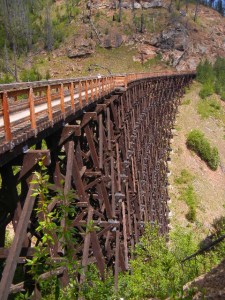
(112, 40)
(145, 52)
(82, 48)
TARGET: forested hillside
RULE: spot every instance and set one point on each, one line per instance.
(43, 39)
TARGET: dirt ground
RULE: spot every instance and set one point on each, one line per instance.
(209, 185)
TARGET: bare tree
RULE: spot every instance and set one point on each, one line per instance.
(120, 11)
(48, 27)
(170, 6)
(187, 5)
(142, 21)
(196, 10)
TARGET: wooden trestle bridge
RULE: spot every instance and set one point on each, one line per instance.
(107, 138)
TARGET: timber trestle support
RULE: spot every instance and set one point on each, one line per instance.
(113, 153)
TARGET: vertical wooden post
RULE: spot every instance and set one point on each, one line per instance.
(103, 87)
(100, 142)
(106, 85)
(125, 81)
(111, 83)
(95, 84)
(50, 117)
(92, 92)
(5, 108)
(32, 110)
(97, 87)
(80, 94)
(86, 91)
(72, 96)
(117, 251)
(125, 235)
(114, 82)
(62, 104)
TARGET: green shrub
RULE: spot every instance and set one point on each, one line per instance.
(214, 159)
(197, 142)
(156, 271)
(30, 75)
(47, 75)
(206, 90)
(189, 196)
(222, 95)
(205, 73)
(209, 108)
(6, 78)
(212, 78)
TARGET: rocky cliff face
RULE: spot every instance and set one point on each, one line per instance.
(181, 42)
(148, 32)
(129, 4)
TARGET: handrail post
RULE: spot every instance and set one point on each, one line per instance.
(5, 108)
(86, 91)
(97, 88)
(92, 94)
(32, 110)
(80, 94)
(50, 116)
(72, 96)
(62, 104)
(103, 90)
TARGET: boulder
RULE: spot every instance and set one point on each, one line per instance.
(112, 40)
(126, 5)
(82, 48)
(152, 3)
(173, 57)
(145, 52)
(137, 5)
(171, 38)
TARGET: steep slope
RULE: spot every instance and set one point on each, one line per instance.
(208, 185)
(149, 37)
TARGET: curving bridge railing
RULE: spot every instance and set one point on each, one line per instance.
(28, 108)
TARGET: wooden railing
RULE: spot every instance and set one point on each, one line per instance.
(24, 106)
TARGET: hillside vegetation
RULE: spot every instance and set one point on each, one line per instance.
(56, 39)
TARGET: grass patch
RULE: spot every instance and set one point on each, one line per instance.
(197, 142)
(184, 178)
(211, 108)
(190, 198)
(187, 193)
(186, 102)
(118, 60)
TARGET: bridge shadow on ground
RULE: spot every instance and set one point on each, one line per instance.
(209, 286)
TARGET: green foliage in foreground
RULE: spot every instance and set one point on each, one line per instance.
(155, 271)
(197, 142)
